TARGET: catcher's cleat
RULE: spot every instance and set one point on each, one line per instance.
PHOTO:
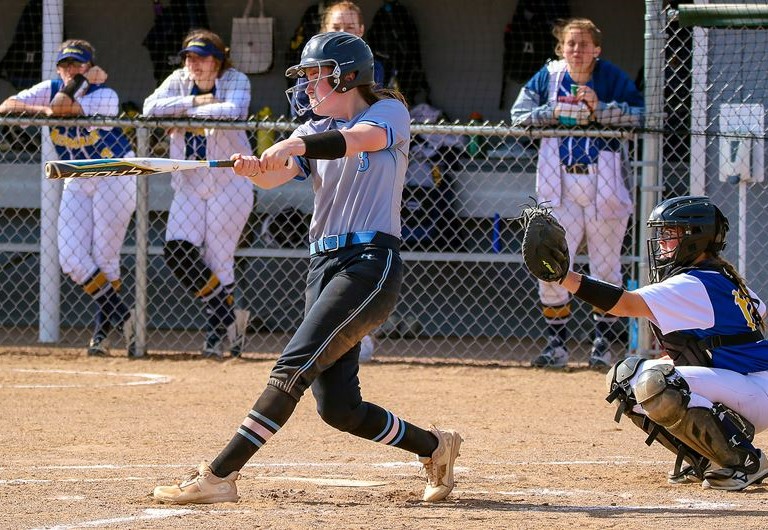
(600, 356)
(99, 345)
(236, 332)
(439, 466)
(735, 479)
(200, 486)
(555, 355)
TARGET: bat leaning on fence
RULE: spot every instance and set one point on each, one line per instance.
(124, 167)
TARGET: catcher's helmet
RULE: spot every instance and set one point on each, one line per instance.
(344, 53)
(697, 224)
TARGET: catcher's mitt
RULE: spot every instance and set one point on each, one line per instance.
(545, 249)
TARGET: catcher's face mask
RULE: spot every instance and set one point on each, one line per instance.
(664, 246)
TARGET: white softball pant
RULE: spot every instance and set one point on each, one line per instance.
(93, 217)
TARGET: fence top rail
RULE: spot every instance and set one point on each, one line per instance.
(486, 129)
(722, 15)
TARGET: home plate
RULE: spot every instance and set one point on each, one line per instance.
(338, 482)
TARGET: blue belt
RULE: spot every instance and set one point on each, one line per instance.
(331, 243)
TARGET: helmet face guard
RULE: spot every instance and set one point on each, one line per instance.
(344, 53)
(695, 223)
(303, 83)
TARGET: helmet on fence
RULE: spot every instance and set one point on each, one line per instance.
(344, 53)
(694, 222)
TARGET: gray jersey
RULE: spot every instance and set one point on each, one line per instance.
(364, 192)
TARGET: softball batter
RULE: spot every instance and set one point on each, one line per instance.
(94, 213)
(209, 209)
(582, 179)
(709, 396)
(356, 158)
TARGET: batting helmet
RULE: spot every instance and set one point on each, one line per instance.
(344, 52)
(695, 222)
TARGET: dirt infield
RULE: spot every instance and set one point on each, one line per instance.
(85, 440)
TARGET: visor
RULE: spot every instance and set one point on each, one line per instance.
(77, 53)
(203, 48)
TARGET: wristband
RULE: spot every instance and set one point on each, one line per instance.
(328, 145)
(78, 84)
(600, 294)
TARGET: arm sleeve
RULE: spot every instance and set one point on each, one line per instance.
(234, 95)
(678, 303)
(166, 99)
(531, 108)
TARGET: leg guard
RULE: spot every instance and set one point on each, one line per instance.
(617, 381)
(718, 433)
(186, 263)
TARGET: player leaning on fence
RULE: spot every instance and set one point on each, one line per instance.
(94, 213)
(209, 208)
(583, 179)
(356, 159)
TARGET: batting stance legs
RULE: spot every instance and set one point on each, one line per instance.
(348, 294)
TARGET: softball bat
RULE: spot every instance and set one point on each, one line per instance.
(124, 167)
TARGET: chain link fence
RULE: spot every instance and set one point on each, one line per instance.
(713, 140)
(466, 294)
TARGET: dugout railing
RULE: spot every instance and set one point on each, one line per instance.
(466, 294)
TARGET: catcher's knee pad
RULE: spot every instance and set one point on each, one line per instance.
(663, 393)
(186, 263)
(617, 381)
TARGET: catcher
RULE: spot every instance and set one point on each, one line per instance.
(708, 396)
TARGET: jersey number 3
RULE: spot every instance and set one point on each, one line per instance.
(364, 162)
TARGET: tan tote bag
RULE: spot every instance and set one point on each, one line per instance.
(252, 41)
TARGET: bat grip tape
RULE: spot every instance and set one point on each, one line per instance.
(602, 295)
(221, 163)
